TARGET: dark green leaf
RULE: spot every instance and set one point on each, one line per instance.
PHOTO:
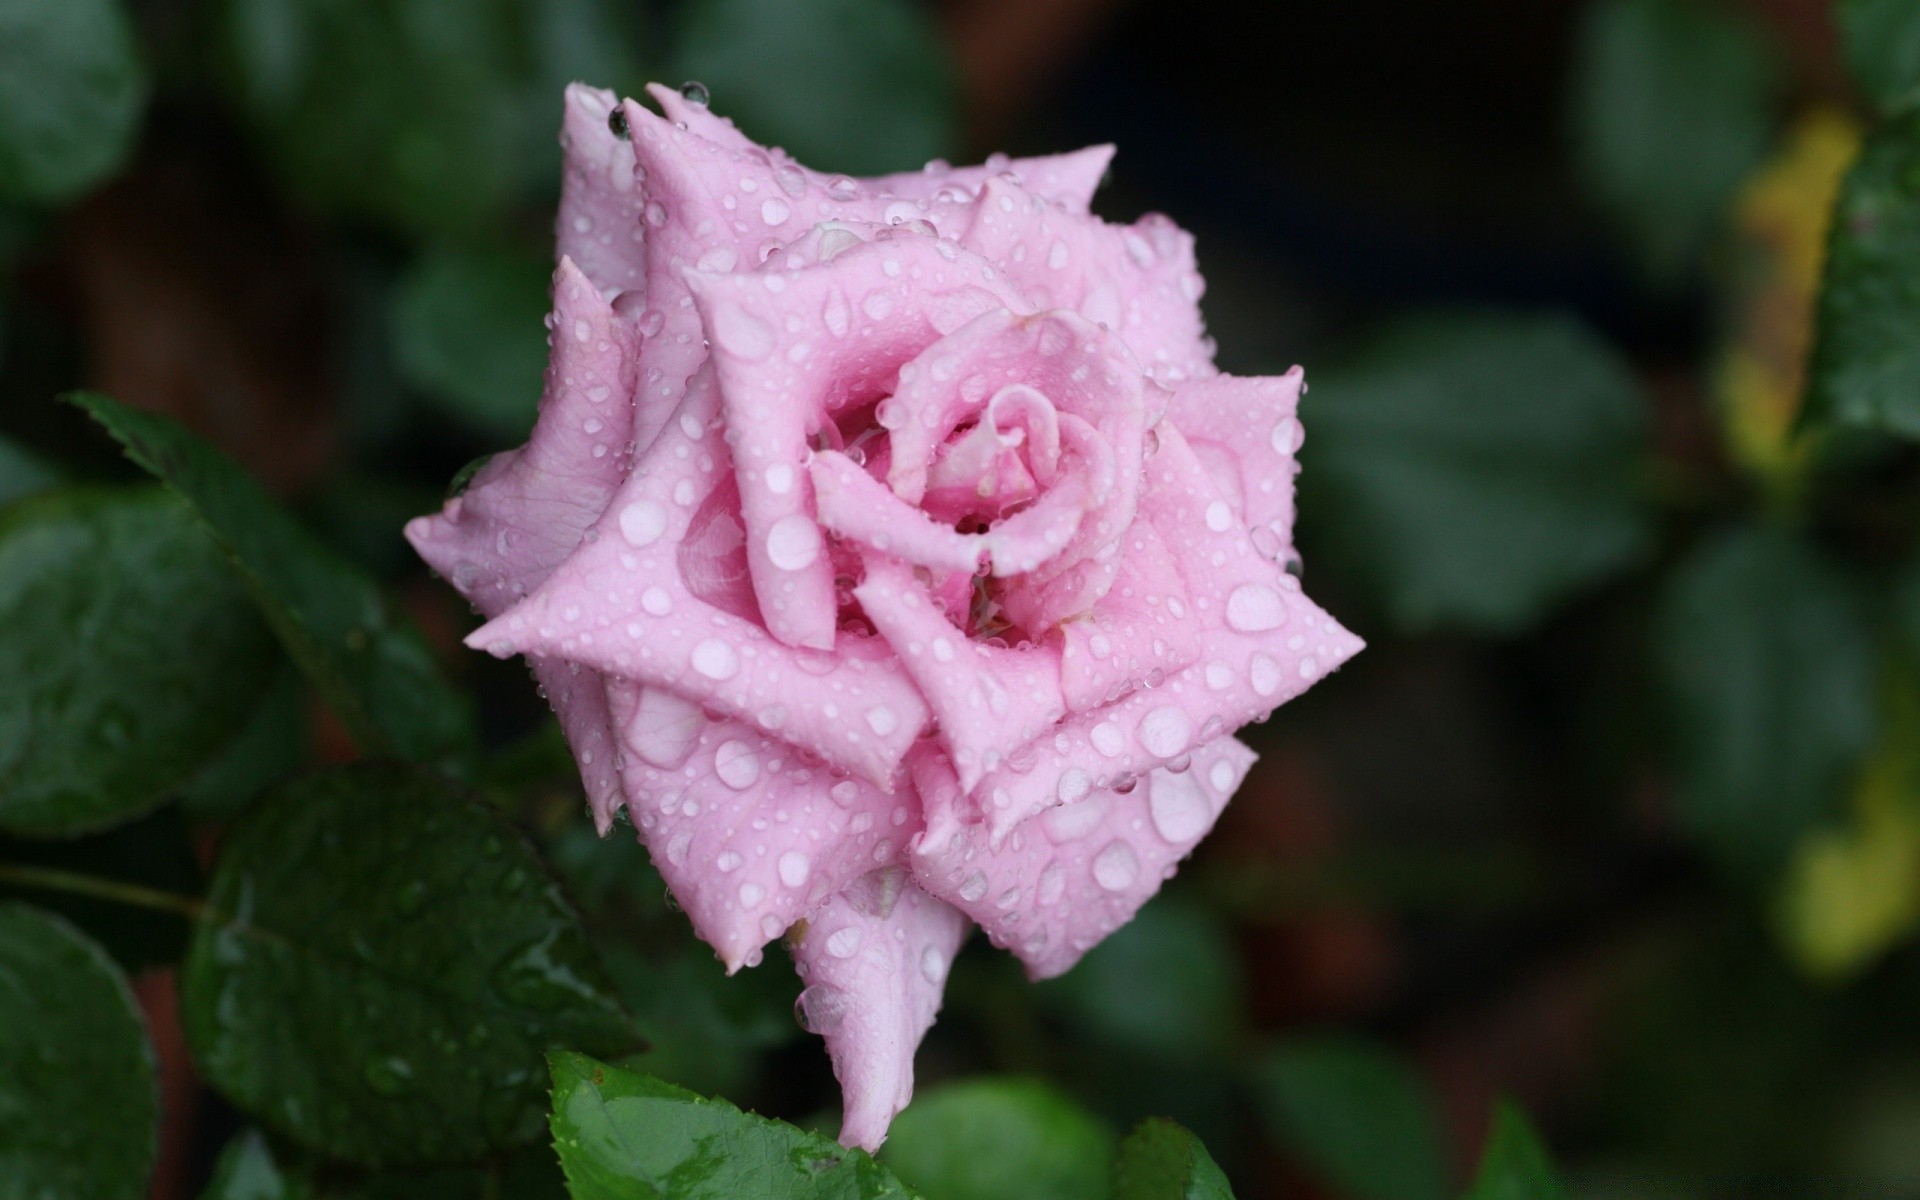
(1167, 982)
(152, 852)
(130, 656)
(1161, 1161)
(372, 667)
(22, 472)
(1359, 1116)
(384, 964)
(1469, 470)
(250, 1170)
(78, 1108)
(626, 1136)
(990, 1138)
(247, 1170)
(429, 115)
(468, 330)
(71, 90)
(272, 746)
(1866, 363)
(1515, 1165)
(845, 85)
(1882, 40)
(1672, 106)
(1769, 670)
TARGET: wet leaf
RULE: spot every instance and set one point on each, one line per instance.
(468, 330)
(1866, 363)
(1882, 43)
(861, 86)
(627, 1136)
(426, 115)
(1359, 1116)
(1768, 669)
(384, 965)
(1672, 105)
(1161, 1161)
(989, 1138)
(1469, 470)
(129, 656)
(78, 1109)
(71, 93)
(372, 667)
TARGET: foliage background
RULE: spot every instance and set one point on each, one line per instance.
(1608, 455)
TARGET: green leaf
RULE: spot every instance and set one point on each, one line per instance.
(427, 115)
(1167, 982)
(1768, 667)
(1358, 1115)
(1161, 1161)
(1470, 470)
(1672, 105)
(130, 656)
(153, 852)
(250, 1170)
(372, 667)
(22, 472)
(627, 1136)
(468, 330)
(79, 1113)
(860, 86)
(1515, 1164)
(271, 746)
(1882, 43)
(247, 1170)
(384, 963)
(71, 91)
(1866, 363)
(990, 1138)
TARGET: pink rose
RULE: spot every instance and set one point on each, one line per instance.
(892, 551)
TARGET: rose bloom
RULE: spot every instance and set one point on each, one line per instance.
(892, 553)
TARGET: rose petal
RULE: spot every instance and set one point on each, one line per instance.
(1138, 280)
(860, 317)
(623, 605)
(1066, 879)
(1260, 643)
(1247, 434)
(856, 506)
(1132, 635)
(874, 961)
(749, 836)
(989, 700)
(527, 509)
(599, 226)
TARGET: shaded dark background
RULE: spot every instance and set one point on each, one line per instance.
(1461, 849)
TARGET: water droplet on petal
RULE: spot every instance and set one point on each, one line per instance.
(642, 522)
(737, 764)
(1179, 809)
(695, 92)
(1116, 867)
(1255, 608)
(716, 659)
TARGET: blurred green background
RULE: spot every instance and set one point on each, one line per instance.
(1609, 455)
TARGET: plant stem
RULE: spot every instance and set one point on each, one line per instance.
(53, 879)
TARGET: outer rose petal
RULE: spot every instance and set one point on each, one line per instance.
(1260, 641)
(528, 508)
(625, 604)
(791, 348)
(600, 201)
(1068, 180)
(875, 961)
(749, 835)
(1138, 281)
(1246, 432)
(1076, 873)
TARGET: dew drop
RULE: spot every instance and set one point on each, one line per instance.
(1178, 807)
(642, 522)
(794, 542)
(695, 92)
(1116, 867)
(737, 764)
(1165, 731)
(716, 659)
(1255, 608)
(794, 867)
